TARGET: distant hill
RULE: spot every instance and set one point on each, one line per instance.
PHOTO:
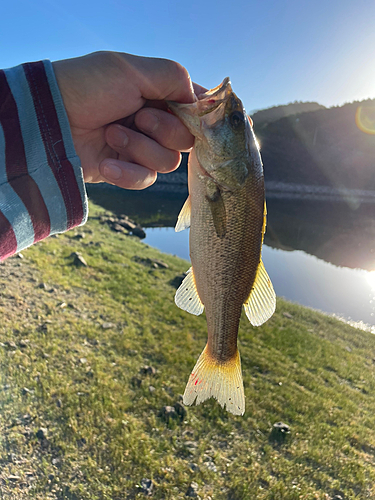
(323, 147)
(318, 146)
(276, 112)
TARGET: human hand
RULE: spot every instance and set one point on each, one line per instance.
(121, 128)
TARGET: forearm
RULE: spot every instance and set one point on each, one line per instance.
(41, 184)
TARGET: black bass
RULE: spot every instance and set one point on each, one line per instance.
(226, 213)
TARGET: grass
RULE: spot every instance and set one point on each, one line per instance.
(80, 420)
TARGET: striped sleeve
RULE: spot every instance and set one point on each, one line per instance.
(41, 183)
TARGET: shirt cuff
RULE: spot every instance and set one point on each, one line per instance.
(41, 181)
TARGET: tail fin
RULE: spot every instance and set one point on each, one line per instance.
(222, 381)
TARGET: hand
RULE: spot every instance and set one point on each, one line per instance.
(121, 128)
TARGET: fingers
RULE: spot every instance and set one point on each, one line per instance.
(126, 175)
(135, 147)
(164, 128)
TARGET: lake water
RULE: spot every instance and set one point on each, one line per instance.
(299, 277)
(320, 254)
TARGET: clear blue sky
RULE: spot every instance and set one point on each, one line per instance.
(274, 51)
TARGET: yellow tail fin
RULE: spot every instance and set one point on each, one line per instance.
(222, 381)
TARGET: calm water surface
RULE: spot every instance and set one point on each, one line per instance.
(299, 277)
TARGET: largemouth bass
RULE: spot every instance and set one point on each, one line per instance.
(227, 217)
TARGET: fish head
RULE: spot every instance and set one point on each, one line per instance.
(225, 144)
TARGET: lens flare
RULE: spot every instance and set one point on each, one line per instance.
(365, 119)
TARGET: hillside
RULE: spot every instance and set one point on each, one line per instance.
(323, 147)
(91, 356)
(319, 147)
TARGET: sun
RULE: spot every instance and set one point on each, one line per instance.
(365, 119)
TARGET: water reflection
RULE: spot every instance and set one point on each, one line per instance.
(304, 238)
(297, 276)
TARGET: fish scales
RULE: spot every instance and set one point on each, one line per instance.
(226, 214)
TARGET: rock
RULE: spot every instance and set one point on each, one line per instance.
(168, 413)
(136, 382)
(132, 352)
(177, 280)
(147, 370)
(59, 403)
(78, 260)
(211, 466)
(192, 445)
(194, 467)
(180, 410)
(44, 286)
(42, 433)
(51, 477)
(192, 490)
(20, 256)
(108, 325)
(118, 228)
(26, 391)
(79, 236)
(337, 497)
(11, 344)
(13, 478)
(279, 432)
(151, 388)
(147, 486)
(83, 361)
(287, 315)
(139, 232)
(23, 343)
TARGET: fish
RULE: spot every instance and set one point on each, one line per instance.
(226, 213)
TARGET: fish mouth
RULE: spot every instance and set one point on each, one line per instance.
(212, 99)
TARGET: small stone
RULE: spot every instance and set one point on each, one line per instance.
(349, 349)
(59, 403)
(83, 361)
(281, 427)
(192, 490)
(62, 305)
(180, 410)
(43, 286)
(78, 259)
(147, 486)
(191, 444)
(136, 382)
(194, 467)
(11, 344)
(132, 352)
(26, 391)
(177, 280)
(41, 433)
(108, 325)
(79, 236)
(337, 497)
(147, 370)
(51, 477)
(280, 432)
(23, 343)
(45, 355)
(287, 315)
(13, 478)
(20, 256)
(168, 413)
(56, 461)
(151, 389)
(211, 466)
(160, 263)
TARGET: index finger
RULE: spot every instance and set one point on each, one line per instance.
(160, 79)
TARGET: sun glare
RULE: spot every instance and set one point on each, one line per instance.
(365, 119)
(370, 278)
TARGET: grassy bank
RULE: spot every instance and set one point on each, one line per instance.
(80, 416)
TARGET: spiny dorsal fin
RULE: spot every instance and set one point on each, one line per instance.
(222, 381)
(187, 297)
(261, 303)
(183, 221)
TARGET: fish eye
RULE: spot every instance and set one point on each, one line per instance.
(236, 119)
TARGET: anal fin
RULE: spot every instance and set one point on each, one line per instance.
(261, 304)
(187, 297)
(219, 380)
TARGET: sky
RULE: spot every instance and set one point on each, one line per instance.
(274, 51)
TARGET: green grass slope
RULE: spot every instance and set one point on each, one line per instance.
(80, 419)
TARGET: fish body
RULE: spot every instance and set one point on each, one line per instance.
(226, 214)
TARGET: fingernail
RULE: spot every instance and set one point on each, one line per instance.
(112, 171)
(119, 137)
(148, 122)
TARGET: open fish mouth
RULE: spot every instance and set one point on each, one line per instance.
(212, 99)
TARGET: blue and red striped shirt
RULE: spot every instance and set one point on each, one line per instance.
(41, 183)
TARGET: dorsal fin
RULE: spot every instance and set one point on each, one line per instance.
(261, 303)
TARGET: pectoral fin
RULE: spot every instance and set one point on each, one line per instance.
(261, 303)
(217, 207)
(187, 297)
(183, 221)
